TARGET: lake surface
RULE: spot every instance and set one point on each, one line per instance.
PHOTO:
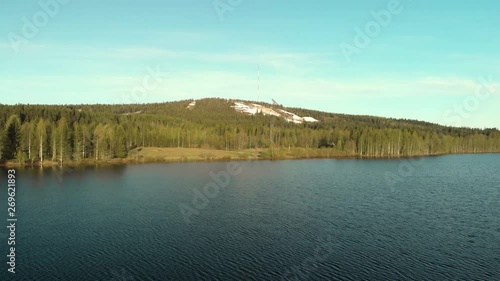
(435, 218)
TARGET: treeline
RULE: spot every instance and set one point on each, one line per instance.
(33, 133)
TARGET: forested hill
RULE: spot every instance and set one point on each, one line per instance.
(101, 132)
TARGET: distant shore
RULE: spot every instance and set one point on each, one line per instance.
(178, 155)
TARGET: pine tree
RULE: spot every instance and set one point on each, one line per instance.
(12, 139)
(120, 146)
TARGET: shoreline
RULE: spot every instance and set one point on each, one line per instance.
(236, 156)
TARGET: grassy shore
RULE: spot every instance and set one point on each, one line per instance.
(174, 154)
(169, 154)
(159, 154)
(155, 155)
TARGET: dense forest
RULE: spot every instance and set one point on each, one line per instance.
(36, 133)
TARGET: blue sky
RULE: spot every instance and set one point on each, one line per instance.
(436, 61)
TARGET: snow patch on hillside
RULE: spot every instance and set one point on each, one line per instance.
(191, 105)
(253, 108)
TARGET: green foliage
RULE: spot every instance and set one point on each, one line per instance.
(102, 132)
(11, 140)
(120, 142)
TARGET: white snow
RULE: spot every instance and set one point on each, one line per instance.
(254, 108)
(310, 119)
(191, 105)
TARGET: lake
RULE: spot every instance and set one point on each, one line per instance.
(434, 218)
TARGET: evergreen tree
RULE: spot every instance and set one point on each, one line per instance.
(12, 139)
(120, 146)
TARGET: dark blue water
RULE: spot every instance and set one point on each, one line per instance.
(434, 218)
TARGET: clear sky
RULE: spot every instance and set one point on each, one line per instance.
(427, 61)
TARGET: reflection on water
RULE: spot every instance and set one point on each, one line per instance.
(40, 176)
